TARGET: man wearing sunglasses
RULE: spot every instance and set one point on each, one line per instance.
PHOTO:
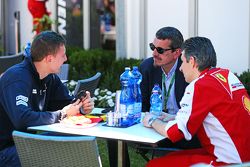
(163, 69)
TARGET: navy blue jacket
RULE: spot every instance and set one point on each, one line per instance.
(152, 75)
(25, 100)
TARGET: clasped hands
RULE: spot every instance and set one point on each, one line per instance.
(165, 117)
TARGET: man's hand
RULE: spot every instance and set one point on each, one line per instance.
(146, 119)
(159, 125)
(165, 117)
(73, 109)
(87, 103)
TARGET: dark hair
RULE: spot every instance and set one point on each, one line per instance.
(172, 34)
(45, 43)
(202, 50)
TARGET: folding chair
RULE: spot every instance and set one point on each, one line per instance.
(166, 146)
(50, 151)
(143, 150)
(8, 61)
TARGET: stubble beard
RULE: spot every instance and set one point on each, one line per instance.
(155, 64)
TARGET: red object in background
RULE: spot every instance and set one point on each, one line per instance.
(37, 8)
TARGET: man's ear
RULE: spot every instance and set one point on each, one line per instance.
(48, 58)
(192, 60)
(177, 53)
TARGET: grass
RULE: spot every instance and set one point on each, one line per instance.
(136, 160)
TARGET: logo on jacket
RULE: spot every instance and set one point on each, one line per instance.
(236, 85)
(221, 77)
(34, 91)
(246, 103)
(22, 100)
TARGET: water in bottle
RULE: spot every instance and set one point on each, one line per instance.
(137, 94)
(157, 88)
(156, 101)
(126, 97)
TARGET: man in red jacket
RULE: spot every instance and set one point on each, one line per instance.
(215, 106)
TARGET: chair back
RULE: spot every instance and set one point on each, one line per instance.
(50, 151)
(8, 61)
(89, 84)
(64, 72)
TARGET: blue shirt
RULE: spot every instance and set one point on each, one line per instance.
(171, 103)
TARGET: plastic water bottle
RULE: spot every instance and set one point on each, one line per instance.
(155, 101)
(137, 94)
(126, 97)
(107, 22)
(27, 51)
(157, 88)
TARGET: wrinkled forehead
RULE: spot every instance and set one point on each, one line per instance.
(162, 42)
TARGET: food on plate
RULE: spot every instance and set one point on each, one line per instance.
(102, 116)
(76, 120)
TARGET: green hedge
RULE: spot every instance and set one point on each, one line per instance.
(86, 63)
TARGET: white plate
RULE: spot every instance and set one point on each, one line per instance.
(82, 126)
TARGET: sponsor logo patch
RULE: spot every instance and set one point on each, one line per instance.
(34, 91)
(236, 85)
(22, 100)
(184, 105)
(246, 103)
(221, 77)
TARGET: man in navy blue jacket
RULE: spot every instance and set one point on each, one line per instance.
(31, 94)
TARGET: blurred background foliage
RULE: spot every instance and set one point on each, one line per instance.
(86, 63)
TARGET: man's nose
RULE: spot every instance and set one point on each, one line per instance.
(180, 69)
(66, 58)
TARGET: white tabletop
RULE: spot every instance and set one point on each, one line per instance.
(136, 133)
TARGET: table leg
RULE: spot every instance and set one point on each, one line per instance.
(121, 153)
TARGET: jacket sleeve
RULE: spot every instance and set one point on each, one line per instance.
(150, 76)
(194, 109)
(144, 88)
(58, 94)
(17, 105)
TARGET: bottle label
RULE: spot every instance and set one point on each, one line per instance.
(130, 109)
(123, 110)
(137, 107)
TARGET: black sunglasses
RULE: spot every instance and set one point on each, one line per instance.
(159, 49)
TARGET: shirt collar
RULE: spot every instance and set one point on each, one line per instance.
(171, 72)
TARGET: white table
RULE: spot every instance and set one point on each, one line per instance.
(135, 133)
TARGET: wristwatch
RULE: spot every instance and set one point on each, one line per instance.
(63, 114)
(151, 120)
